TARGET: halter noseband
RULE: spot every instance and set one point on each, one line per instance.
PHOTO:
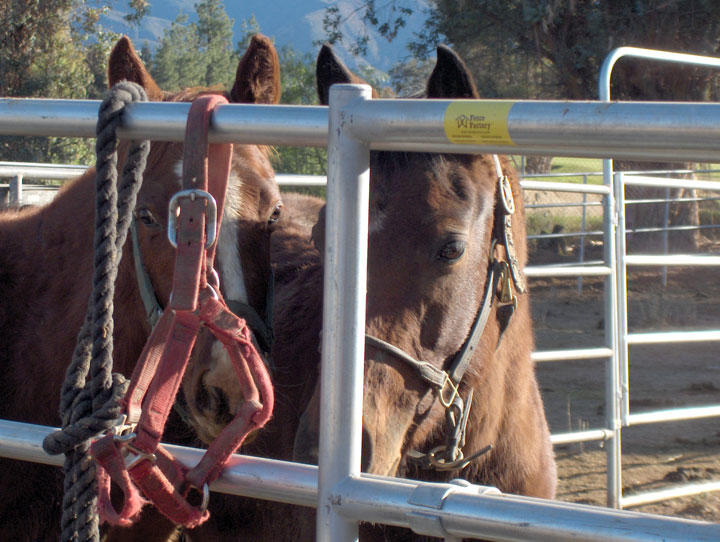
(446, 383)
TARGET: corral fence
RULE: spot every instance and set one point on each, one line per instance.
(342, 494)
(17, 192)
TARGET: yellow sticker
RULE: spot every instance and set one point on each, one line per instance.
(478, 122)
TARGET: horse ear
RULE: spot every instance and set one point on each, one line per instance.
(257, 80)
(450, 77)
(328, 71)
(125, 64)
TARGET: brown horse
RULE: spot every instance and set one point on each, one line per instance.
(45, 278)
(440, 249)
(437, 253)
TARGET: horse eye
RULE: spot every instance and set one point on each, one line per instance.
(452, 251)
(275, 216)
(146, 217)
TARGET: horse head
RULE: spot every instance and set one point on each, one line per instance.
(251, 210)
(443, 250)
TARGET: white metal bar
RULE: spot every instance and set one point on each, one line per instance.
(464, 510)
(648, 54)
(472, 512)
(667, 337)
(570, 354)
(673, 259)
(559, 128)
(537, 271)
(674, 414)
(256, 477)
(40, 171)
(664, 182)
(622, 298)
(633, 130)
(287, 179)
(564, 187)
(613, 394)
(343, 338)
(580, 436)
(669, 493)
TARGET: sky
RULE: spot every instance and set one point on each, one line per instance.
(299, 26)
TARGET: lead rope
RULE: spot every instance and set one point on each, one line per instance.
(91, 406)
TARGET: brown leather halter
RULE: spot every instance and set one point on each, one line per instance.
(446, 382)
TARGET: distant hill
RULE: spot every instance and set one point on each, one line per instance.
(299, 25)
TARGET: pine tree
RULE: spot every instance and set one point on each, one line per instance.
(51, 50)
(196, 53)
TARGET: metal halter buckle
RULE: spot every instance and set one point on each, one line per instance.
(205, 491)
(447, 403)
(506, 194)
(122, 428)
(210, 212)
(505, 279)
(133, 455)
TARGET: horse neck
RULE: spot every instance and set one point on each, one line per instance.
(46, 274)
(46, 251)
(507, 409)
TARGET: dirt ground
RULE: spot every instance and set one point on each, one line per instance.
(661, 376)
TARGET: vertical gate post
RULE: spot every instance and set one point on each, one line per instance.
(613, 392)
(622, 299)
(15, 191)
(343, 338)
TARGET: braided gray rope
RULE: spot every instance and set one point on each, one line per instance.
(89, 406)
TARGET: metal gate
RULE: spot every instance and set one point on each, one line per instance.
(342, 494)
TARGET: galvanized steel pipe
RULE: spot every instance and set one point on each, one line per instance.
(374, 498)
(465, 512)
(632, 130)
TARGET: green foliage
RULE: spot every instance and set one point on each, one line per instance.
(387, 18)
(196, 53)
(298, 88)
(409, 78)
(554, 48)
(51, 50)
(140, 8)
(298, 77)
(248, 28)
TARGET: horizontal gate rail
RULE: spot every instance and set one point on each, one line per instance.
(460, 510)
(40, 171)
(594, 129)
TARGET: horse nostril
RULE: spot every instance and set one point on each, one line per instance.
(367, 449)
(223, 416)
